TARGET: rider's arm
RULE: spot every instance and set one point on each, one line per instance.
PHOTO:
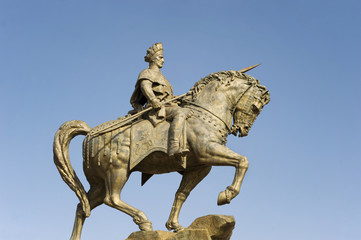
(146, 87)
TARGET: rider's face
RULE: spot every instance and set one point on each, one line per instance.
(159, 60)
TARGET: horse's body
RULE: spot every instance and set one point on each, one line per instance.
(214, 102)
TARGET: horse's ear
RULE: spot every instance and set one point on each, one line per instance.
(248, 68)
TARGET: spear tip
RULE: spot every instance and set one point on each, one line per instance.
(248, 68)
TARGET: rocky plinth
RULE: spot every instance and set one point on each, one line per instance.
(210, 227)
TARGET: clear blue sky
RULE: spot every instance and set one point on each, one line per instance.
(65, 60)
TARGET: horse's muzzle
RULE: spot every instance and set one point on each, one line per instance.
(243, 131)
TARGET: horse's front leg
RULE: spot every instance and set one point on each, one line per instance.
(191, 178)
(218, 155)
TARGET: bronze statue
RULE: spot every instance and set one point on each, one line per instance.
(115, 149)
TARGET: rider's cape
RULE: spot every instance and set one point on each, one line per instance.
(161, 87)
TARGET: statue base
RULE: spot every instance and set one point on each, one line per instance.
(210, 227)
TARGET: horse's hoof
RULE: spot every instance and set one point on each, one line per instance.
(146, 226)
(174, 226)
(224, 197)
(178, 228)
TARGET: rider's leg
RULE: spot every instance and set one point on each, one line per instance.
(177, 116)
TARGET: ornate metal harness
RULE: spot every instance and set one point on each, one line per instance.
(209, 118)
(212, 119)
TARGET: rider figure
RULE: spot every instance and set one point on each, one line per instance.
(153, 89)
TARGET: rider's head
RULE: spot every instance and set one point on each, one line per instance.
(155, 55)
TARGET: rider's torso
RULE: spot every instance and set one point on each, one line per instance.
(160, 85)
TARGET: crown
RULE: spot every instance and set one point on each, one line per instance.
(153, 50)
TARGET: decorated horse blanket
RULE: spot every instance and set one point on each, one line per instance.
(145, 139)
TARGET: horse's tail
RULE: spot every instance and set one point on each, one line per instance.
(62, 139)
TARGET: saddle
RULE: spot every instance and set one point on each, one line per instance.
(146, 139)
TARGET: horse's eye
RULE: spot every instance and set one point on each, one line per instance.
(255, 109)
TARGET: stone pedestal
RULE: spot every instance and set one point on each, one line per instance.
(210, 227)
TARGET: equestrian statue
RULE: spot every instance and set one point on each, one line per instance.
(163, 133)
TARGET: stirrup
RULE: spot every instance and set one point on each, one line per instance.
(183, 151)
(180, 152)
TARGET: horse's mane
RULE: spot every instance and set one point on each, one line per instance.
(224, 78)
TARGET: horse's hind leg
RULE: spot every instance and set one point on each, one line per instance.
(190, 179)
(115, 180)
(96, 196)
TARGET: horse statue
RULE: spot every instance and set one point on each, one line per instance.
(213, 104)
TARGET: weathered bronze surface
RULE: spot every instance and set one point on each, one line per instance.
(187, 135)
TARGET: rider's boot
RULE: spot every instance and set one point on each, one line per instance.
(175, 150)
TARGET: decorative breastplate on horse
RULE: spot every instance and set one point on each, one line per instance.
(213, 121)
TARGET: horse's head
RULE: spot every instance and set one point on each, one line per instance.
(248, 108)
(232, 91)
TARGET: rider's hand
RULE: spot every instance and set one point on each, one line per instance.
(156, 103)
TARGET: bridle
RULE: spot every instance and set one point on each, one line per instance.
(239, 99)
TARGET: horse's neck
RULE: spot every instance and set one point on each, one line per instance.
(216, 101)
